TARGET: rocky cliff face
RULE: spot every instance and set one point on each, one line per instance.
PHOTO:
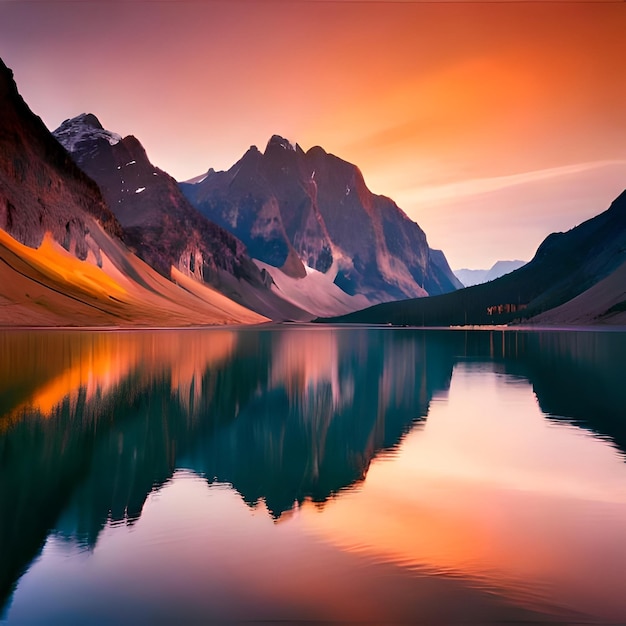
(292, 208)
(158, 221)
(62, 262)
(41, 189)
(161, 225)
(575, 277)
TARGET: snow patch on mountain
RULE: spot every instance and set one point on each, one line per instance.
(316, 292)
(200, 178)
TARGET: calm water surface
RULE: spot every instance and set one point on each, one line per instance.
(312, 474)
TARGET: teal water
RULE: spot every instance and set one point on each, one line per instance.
(312, 474)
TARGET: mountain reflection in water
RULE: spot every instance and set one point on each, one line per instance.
(93, 423)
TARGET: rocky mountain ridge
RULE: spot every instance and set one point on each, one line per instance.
(294, 209)
(62, 261)
(159, 223)
(41, 189)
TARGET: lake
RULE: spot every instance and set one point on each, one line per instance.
(313, 474)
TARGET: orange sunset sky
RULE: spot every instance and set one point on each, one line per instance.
(491, 124)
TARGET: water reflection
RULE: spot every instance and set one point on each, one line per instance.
(41, 371)
(92, 424)
(501, 498)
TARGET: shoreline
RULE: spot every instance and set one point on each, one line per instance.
(311, 325)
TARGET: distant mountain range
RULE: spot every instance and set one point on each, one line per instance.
(577, 277)
(476, 277)
(116, 241)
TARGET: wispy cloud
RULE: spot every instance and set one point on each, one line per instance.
(442, 193)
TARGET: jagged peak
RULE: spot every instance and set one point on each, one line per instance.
(278, 141)
(85, 126)
(6, 75)
(88, 119)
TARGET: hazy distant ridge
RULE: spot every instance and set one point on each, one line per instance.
(476, 277)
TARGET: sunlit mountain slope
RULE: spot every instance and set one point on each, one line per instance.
(61, 258)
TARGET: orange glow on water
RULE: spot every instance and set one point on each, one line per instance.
(303, 361)
(95, 373)
(95, 365)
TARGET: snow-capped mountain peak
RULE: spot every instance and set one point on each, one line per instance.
(83, 127)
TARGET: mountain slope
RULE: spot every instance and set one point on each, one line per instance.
(50, 287)
(604, 303)
(61, 261)
(564, 266)
(160, 224)
(41, 190)
(293, 209)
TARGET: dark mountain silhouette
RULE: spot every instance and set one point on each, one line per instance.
(293, 208)
(159, 223)
(565, 266)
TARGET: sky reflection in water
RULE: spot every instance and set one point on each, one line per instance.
(322, 474)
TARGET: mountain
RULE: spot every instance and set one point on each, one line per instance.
(574, 277)
(41, 190)
(605, 301)
(476, 277)
(159, 223)
(304, 212)
(61, 258)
